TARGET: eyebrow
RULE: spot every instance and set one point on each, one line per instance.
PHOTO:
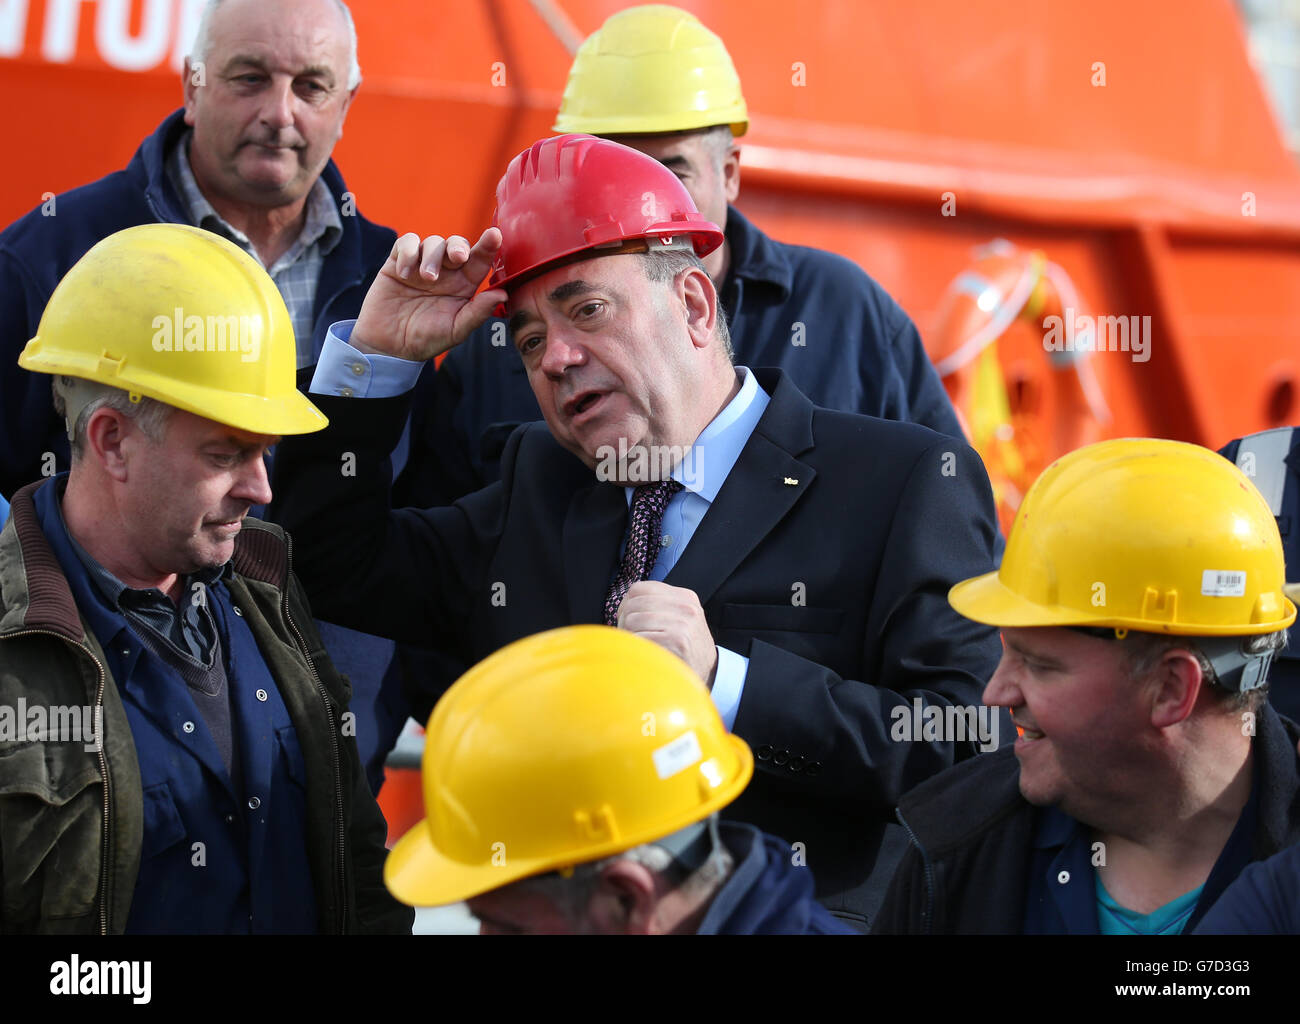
(676, 163)
(240, 444)
(565, 291)
(1038, 656)
(250, 61)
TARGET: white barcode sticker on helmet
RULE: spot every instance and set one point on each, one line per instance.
(678, 755)
(1217, 583)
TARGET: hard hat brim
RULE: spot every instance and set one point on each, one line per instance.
(281, 415)
(419, 875)
(986, 599)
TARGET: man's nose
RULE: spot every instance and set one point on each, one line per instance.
(277, 103)
(561, 353)
(252, 485)
(1003, 690)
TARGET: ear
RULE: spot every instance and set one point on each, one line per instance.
(625, 901)
(700, 297)
(347, 104)
(1176, 683)
(190, 91)
(731, 173)
(106, 430)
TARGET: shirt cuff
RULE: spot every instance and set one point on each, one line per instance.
(729, 685)
(342, 370)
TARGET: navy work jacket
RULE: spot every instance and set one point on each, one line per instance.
(215, 859)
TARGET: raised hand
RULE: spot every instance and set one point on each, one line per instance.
(422, 301)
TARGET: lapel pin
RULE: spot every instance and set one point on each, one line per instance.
(791, 481)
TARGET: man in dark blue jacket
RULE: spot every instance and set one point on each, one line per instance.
(249, 159)
(559, 803)
(1141, 606)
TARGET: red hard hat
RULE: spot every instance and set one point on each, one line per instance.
(573, 193)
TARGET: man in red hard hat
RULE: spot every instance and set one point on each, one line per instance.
(796, 558)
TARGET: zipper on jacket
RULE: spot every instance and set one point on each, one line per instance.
(927, 916)
(104, 875)
(340, 846)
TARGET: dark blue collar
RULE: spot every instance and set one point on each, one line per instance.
(1068, 845)
(755, 257)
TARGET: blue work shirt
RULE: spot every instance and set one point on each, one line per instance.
(1062, 896)
(215, 858)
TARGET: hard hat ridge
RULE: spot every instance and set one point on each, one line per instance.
(573, 197)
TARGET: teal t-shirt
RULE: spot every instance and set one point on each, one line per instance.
(1113, 919)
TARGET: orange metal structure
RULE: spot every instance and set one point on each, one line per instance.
(1130, 143)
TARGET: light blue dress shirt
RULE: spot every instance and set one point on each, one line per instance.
(342, 370)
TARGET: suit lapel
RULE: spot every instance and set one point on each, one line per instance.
(593, 531)
(764, 484)
(756, 496)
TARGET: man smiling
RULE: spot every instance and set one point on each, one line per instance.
(1141, 604)
(801, 574)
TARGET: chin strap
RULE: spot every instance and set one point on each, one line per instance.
(1237, 669)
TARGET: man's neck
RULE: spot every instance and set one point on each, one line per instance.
(272, 230)
(94, 525)
(1172, 844)
(717, 263)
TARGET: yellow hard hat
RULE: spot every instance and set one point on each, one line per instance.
(651, 69)
(181, 315)
(562, 748)
(1151, 535)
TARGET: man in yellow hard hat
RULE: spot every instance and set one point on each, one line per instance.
(1141, 603)
(797, 558)
(572, 784)
(655, 78)
(267, 87)
(178, 750)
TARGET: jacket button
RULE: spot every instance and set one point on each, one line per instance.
(254, 803)
(261, 695)
(230, 819)
(796, 763)
(188, 727)
(764, 753)
(781, 757)
(814, 768)
(239, 611)
(1063, 877)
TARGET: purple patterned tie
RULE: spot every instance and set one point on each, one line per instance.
(643, 539)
